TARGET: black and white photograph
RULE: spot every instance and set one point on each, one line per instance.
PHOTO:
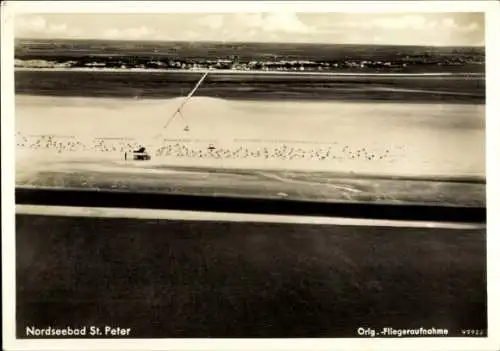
(262, 172)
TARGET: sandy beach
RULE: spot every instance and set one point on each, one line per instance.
(390, 139)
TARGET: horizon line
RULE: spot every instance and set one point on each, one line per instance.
(248, 42)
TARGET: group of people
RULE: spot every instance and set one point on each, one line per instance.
(63, 144)
(200, 151)
(281, 152)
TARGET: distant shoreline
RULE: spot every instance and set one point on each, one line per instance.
(257, 72)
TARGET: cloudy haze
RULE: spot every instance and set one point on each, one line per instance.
(453, 29)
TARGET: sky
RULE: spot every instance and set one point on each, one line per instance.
(437, 29)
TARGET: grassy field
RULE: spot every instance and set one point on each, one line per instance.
(228, 279)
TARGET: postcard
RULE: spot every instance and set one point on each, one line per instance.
(249, 175)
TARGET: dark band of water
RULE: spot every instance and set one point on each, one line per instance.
(162, 85)
(116, 199)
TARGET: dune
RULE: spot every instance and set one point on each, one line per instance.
(394, 139)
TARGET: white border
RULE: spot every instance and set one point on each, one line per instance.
(8, 229)
(248, 6)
